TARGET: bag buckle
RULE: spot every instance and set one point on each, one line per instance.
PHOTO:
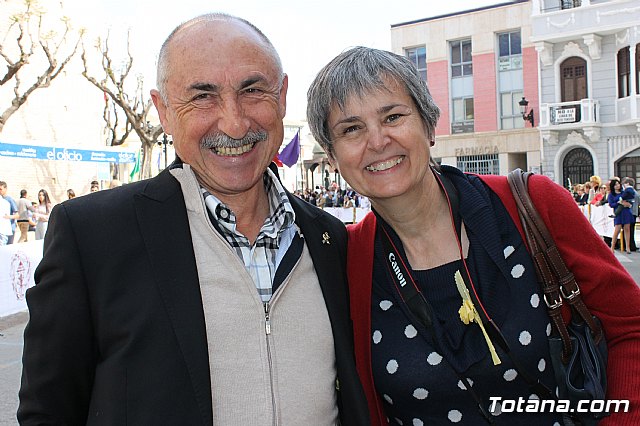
(555, 305)
(572, 295)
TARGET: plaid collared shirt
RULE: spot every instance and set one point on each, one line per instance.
(262, 258)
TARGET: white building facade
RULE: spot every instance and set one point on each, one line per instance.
(589, 71)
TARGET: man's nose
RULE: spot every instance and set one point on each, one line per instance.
(233, 120)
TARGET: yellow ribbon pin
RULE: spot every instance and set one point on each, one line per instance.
(469, 314)
(325, 238)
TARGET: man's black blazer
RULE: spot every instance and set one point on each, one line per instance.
(116, 333)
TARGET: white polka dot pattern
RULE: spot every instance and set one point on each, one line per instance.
(410, 331)
(388, 398)
(497, 410)
(418, 422)
(385, 305)
(535, 301)
(399, 421)
(548, 330)
(542, 364)
(517, 271)
(420, 393)
(392, 366)
(377, 337)
(455, 416)
(508, 251)
(510, 375)
(525, 338)
(434, 358)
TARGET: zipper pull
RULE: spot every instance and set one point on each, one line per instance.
(267, 322)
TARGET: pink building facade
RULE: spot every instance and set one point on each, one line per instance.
(479, 65)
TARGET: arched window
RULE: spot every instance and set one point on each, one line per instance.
(577, 167)
(573, 77)
(624, 72)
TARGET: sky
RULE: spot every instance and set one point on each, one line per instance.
(306, 33)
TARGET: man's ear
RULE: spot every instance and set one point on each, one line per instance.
(283, 95)
(162, 110)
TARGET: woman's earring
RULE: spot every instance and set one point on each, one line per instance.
(432, 142)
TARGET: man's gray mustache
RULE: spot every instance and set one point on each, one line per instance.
(221, 140)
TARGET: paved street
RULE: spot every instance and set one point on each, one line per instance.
(11, 329)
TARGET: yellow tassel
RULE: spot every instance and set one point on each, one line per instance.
(469, 314)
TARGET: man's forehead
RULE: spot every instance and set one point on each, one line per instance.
(216, 34)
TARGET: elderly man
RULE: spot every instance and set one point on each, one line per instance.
(208, 294)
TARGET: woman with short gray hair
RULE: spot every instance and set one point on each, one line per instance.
(448, 316)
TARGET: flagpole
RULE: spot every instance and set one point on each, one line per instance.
(301, 163)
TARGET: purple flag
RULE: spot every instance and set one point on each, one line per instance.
(290, 153)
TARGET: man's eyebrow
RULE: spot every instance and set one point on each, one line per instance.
(204, 87)
(250, 82)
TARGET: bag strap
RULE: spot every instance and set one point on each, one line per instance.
(555, 278)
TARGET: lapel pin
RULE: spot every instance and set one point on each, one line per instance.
(325, 238)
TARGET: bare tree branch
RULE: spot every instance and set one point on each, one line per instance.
(20, 46)
(115, 87)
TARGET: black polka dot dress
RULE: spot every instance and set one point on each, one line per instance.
(423, 376)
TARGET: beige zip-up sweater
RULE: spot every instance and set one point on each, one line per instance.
(275, 371)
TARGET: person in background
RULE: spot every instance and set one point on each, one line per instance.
(13, 210)
(95, 186)
(447, 234)
(41, 215)
(596, 182)
(623, 216)
(601, 196)
(6, 230)
(582, 196)
(633, 197)
(71, 194)
(25, 208)
(209, 294)
(33, 222)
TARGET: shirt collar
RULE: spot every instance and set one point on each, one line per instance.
(281, 213)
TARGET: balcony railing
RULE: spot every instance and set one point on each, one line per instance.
(576, 114)
(583, 115)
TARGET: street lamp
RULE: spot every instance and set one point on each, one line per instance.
(165, 141)
(523, 109)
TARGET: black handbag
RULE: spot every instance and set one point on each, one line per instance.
(578, 350)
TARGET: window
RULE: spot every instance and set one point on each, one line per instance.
(573, 79)
(463, 109)
(511, 118)
(623, 72)
(510, 79)
(509, 51)
(461, 58)
(462, 115)
(480, 164)
(570, 4)
(418, 55)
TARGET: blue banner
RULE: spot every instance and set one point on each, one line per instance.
(38, 152)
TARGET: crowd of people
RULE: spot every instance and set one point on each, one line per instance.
(621, 196)
(23, 216)
(18, 218)
(333, 197)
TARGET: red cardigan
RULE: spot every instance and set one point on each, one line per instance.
(607, 289)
